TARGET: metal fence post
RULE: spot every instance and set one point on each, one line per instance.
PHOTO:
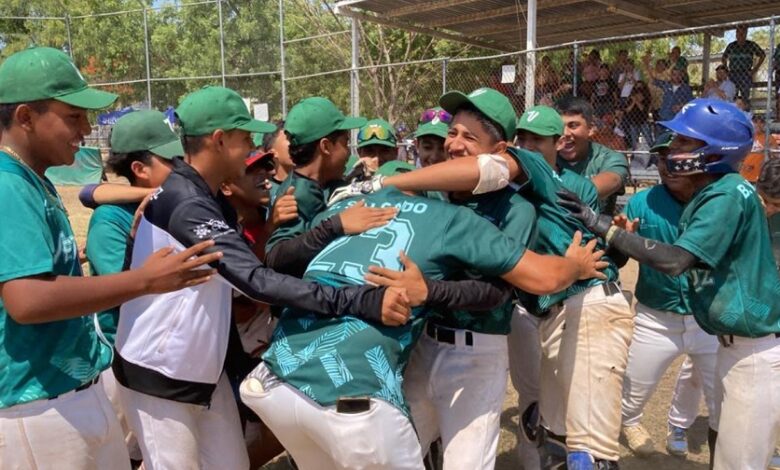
(575, 69)
(530, 56)
(769, 86)
(67, 29)
(282, 69)
(148, 64)
(444, 75)
(221, 41)
(354, 82)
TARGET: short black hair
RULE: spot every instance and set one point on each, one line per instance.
(121, 163)
(495, 131)
(269, 139)
(573, 105)
(7, 111)
(769, 179)
(303, 154)
(193, 143)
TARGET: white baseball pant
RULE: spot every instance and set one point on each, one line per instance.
(748, 394)
(75, 431)
(183, 436)
(660, 338)
(687, 395)
(457, 391)
(525, 356)
(109, 383)
(320, 438)
(584, 346)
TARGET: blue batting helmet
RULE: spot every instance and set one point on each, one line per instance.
(725, 129)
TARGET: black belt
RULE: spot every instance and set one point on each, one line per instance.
(80, 387)
(446, 335)
(728, 340)
(611, 288)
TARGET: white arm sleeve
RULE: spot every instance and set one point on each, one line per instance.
(493, 173)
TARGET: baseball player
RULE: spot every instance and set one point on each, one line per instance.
(587, 330)
(664, 325)
(51, 350)
(724, 247)
(341, 380)
(430, 134)
(376, 145)
(171, 368)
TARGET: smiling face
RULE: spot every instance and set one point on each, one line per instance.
(575, 141)
(431, 150)
(545, 145)
(56, 132)
(467, 136)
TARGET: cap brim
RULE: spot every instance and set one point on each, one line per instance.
(453, 100)
(257, 126)
(170, 150)
(375, 142)
(351, 122)
(88, 98)
(438, 130)
(541, 132)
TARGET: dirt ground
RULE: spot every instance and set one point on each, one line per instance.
(654, 418)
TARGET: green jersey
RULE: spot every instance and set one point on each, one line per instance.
(556, 226)
(774, 233)
(601, 159)
(331, 357)
(310, 198)
(41, 360)
(582, 187)
(516, 218)
(725, 227)
(109, 228)
(659, 217)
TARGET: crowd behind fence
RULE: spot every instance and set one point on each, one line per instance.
(632, 81)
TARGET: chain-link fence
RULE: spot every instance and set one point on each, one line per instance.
(277, 52)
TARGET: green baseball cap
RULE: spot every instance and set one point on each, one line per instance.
(377, 132)
(315, 117)
(395, 167)
(146, 130)
(663, 141)
(215, 107)
(42, 73)
(434, 127)
(489, 102)
(541, 120)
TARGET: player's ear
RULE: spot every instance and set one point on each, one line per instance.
(500, 147)
(225, 189)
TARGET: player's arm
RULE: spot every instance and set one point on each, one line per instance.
(241, 268)
(669, 259)
(46, 298)
(607, 183)
(761, 57)
(93, 195)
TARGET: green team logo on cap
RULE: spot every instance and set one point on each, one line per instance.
(541, 120)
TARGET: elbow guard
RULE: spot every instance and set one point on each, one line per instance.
(493, 173)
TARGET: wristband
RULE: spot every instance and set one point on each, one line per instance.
(611, 233)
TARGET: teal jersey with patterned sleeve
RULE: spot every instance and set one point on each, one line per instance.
(516, 218)
(109, 229)
(42, 360)
(555, 225)
(310, 198)
(774, 233)
(601, 159)
(659, 217)
(581, 186)
(725, 227)
(331, 357)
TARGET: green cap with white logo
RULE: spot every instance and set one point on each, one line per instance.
(489, 102)
(395, 167)
(541, 120)
(42, 73)
(146, 130)
(316, 117)
(376, 132)
(215, 107)
(663, 141)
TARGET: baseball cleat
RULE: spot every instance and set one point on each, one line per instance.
(638, 440)
(677, 441)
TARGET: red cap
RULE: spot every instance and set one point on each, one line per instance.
(259, 157)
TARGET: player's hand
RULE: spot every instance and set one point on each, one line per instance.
(598, 224)
(588, 260)
(395, 307)
(164, 271)
(358, 218)
(285, 208)
(621, 221)
(139, 212)
(411, 279)
(356, 189)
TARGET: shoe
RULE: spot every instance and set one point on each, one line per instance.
(580, 460)
(774, 464)
(677, 441)
(638, 440)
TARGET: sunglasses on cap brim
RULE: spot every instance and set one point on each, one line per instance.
(430, 115)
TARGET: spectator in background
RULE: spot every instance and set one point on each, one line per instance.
(678, 61)
(620, 65)
(605, 93)
(652, 73)
(743, 59)
(546, 79)
(743, 106)
(751, 166)
(636, 114)
(590, 73)
(721, 87)
(606, 134)
(675, 94)
(776, 67)
(626, 81)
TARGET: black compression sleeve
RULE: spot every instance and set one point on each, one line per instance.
(294, 255)
(668, 259)
(468, 294)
